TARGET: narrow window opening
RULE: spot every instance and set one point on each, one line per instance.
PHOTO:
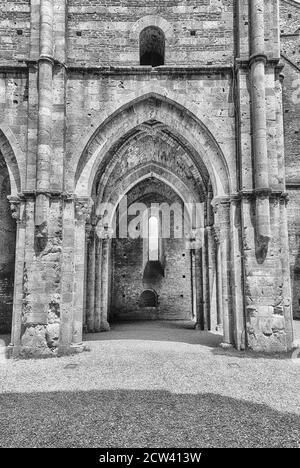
(152, 46)
(153, 239)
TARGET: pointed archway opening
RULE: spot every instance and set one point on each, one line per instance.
(7, 250)
(151, 255)
(151, 267)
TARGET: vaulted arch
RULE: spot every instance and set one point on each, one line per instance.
(180, 123)
(142, 173)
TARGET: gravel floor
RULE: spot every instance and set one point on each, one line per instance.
(151, 385)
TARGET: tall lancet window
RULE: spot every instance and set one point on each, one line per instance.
(153, 235)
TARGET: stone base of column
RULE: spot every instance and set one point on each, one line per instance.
(104, 326)
(198, 326)
(12, 351)
(226, 345)
(77, 348)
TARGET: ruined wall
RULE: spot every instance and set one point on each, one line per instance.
(173, 289)
(198, 32)
(42, 284)
(95, 96)
(290, 47)
(14, 30)
(130, 262)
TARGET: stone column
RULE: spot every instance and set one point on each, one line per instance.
(196, 247)
(98, 285)
(259, 123)
(67, 276)
(222, 207)
(83, 208)
(105, 272)
(237, 273)
(90, 285)
(17, 206)
(280, 131)
(205, 280)
(44, 150)
(104, 234)
(193, 284)
(286, 276)
(88, 228)
(219, 281)
(212, 279)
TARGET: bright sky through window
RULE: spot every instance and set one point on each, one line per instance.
(153, 238)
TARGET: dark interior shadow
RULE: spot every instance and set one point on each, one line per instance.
(142, 418)
(5, 338)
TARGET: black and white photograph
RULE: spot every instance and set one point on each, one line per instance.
(150, 229)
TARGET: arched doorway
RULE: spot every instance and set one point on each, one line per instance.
(151, 231)
(155, 138)
(7, 250)
(154, 256)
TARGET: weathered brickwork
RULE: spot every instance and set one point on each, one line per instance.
(83, 124)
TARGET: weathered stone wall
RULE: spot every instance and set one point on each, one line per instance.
(198, 32)
(58, 118)
(14, 30)
(130, 261)
(290, 46)
(173, 289)
(93, 97)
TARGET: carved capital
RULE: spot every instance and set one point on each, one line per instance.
(83, 209)
(15, 207)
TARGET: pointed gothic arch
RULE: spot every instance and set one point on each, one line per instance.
(180, 122)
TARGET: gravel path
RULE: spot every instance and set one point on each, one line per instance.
(151, 385)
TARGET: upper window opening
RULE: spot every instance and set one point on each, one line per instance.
(152, 46)
(153, 239)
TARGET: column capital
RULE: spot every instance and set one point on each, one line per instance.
(15, 207)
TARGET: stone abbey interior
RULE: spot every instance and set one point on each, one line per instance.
(149, 169)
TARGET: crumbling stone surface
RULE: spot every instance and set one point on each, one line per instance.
(82, 123)
(34, 342)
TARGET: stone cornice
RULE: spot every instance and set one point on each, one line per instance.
(122, 70)
(245, 64)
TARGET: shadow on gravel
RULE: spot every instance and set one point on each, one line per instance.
(134, 418)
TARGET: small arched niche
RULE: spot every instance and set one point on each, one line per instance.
(148, 298)
(152, 46)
